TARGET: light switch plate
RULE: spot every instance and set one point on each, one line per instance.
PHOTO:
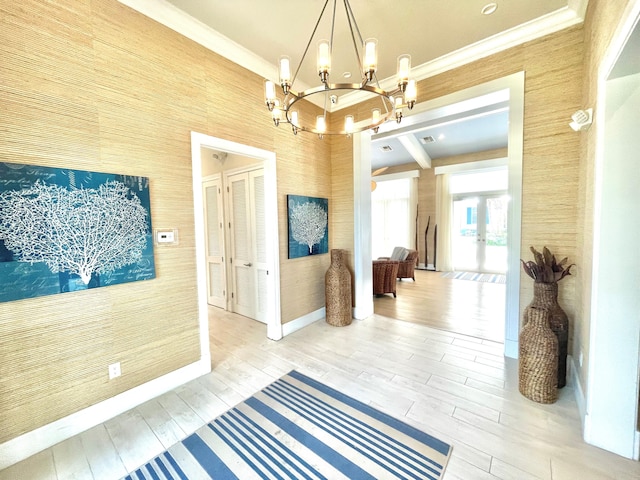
(166, 236)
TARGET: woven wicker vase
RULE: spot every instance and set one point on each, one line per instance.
(546, 295)
(337, 291)
(538, 358)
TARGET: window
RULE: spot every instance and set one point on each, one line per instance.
(479, 181)
(392, 224)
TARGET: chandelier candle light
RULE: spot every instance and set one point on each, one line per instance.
(367, 54)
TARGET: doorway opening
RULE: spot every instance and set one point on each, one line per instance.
(235, 231)
(612, 417)
(508, 89)
(220, 241)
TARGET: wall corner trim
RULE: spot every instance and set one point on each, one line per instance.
(510, 349)
(301, 322)
(30, 443)
(574, 382)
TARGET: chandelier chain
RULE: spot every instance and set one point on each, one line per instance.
(313, 34)
(366, 52)
(353, 38)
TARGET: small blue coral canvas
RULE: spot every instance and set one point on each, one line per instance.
(63, 230)
(308, 225)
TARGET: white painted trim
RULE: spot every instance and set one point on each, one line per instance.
(304, 321)
(574, 382)
(511, 349)
(398, 176)
(199, 140)
(413, 146)
(596, 384)
(579, 7)
(24, 446)
(550, 23)
(177, 20)
(362, 247)
(515, 151)
(201, 257)
(483, 165)
(509, 88)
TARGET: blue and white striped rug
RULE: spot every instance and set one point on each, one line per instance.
(298, 428)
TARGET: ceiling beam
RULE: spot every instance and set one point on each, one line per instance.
(413, 146)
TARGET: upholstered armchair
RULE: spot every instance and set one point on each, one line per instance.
(407, 262)
(406, 269)
(384, 276)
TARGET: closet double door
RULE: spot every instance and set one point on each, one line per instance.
(236, 243)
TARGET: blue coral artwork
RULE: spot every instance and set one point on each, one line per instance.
(308, 225)
(65, 230)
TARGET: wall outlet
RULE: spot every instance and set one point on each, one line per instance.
(114, 370)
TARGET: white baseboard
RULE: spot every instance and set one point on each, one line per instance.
(574, 382)
(511, 348)
(24, 446)
(301, 322)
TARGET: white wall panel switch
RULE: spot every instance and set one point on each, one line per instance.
(166, 236)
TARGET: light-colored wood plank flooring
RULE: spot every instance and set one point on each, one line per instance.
(455, 387)
(461, 306)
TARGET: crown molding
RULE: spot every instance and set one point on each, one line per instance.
(172, 17)
(179, 21)
(553, 22)
(579, 7)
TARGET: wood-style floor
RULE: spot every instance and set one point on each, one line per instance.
(458, 388)
(461, 306)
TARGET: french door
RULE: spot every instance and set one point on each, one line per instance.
(479, 233)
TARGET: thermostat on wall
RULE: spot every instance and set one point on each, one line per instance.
(166, 236)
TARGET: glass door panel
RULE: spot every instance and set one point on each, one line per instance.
(479, 236)
(495, 246)
(465, 234)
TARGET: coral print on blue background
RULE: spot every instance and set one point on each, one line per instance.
(65, 230)
(308, 225)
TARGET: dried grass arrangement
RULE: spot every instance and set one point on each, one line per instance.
(546, 269)
(546, 273)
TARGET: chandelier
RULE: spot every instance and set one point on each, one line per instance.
(392, 102)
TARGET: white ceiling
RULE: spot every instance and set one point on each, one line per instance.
(437, 34)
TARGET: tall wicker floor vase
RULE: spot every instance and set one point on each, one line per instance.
(538, 357)
(337, 291)
(546, 295)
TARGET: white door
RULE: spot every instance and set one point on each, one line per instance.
(247, 233)
(479, 233)
(214, 242)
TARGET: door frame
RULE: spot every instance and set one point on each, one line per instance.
(612, 380)
(514, 85)
(198, 141)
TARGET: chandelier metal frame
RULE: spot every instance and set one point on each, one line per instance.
(392, 101)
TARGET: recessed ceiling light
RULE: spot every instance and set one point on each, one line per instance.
(489, 8)
(441, 136)
(346, 74)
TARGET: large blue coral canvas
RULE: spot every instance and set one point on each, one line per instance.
(63, 230)
(308, 225)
